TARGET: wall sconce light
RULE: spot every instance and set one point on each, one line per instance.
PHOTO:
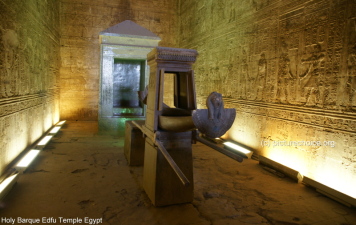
(7, 184)
(27, 159)
(239, 149)
(329, 192)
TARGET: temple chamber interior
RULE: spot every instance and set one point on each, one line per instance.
(287, 70)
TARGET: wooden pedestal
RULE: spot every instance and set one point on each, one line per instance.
(134, 144)
(160, 182)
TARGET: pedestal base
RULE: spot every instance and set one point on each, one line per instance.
(160, 182)
(134, 144)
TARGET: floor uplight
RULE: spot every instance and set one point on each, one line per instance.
(44, 140)
(7, 184)
(239, 149)
(295, 175)
(330, 192)
(61, 123)
(55, 130)
(28, 158)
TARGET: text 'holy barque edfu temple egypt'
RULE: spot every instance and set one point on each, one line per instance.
(276, 77)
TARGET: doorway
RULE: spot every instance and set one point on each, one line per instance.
(123, 72)
(128, 79)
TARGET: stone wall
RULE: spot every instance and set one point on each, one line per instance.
(29, 73)
(81, 22)
(289, 68)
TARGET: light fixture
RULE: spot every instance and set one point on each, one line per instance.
(7, 184)
(55, 130)
(239, 149)
(27, 159)
(44, 141)
(208, 142)
(329, 192)
(216, 140)
(60, 123)
(295, 175)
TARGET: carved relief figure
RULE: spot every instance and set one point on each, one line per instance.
(235, 83)
(259, 4)
(10, 42)
(260, 81)
(285, 76)
(232, 16)
(2, 67)
(215, 105)
(245, 78)
(351, 78)
(227, 81)
(312, 81)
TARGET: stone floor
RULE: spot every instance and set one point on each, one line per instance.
(83, 175)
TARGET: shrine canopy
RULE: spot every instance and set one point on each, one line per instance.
(128, 28)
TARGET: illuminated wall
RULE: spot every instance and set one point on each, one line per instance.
(29, 74)
(81, 22)
(289, 68)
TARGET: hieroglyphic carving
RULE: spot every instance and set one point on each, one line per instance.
(328, 120)
(350, 81)
(10, 61)
(29, 68)
(351, 78)
(309, 91)
(260, 82)
(285, 76)
(300, 34)
(313, 79)
(259, 4)
(15, 105)
(244, 76)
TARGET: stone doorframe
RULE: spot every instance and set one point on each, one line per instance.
(126, 40)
